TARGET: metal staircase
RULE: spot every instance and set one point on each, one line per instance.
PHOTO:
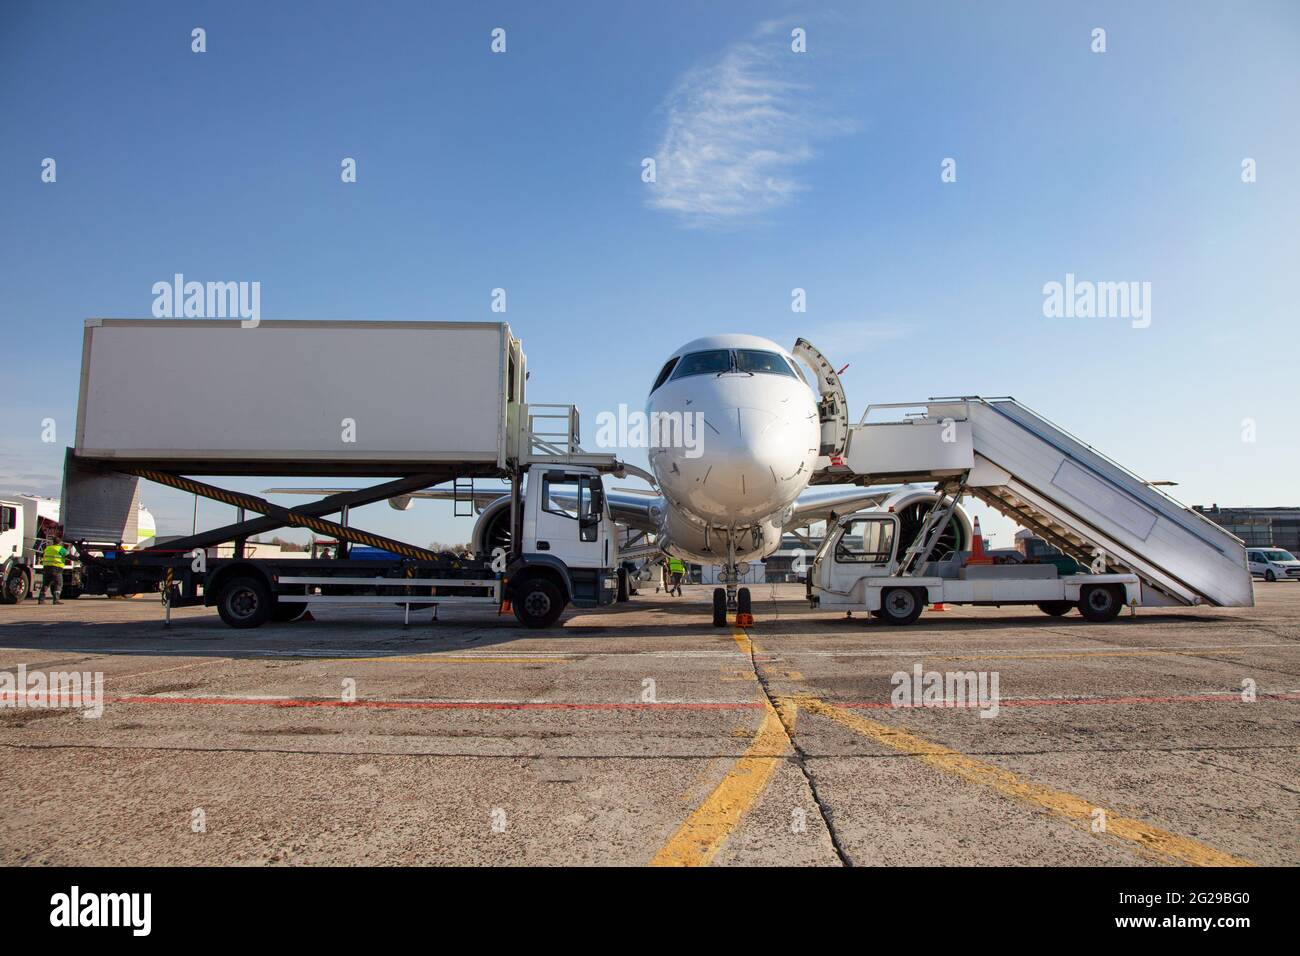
(1046, 480)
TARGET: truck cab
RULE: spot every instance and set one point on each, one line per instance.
(22, 542)
(569, 552)
(15, 575)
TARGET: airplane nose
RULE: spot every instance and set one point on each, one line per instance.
(750, 457)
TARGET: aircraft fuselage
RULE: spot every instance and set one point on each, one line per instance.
(754, 445)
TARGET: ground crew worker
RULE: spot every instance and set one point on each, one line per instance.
(52, 562)
(678, 570)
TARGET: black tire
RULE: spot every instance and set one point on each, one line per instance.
(537, 603)
(624, 586)
(16, 588)
(744, 603)
(719, 607)
(1056, 608)
(1270, 577)
(288, 611)
(245, 602)
(900, 606)
(1101, 602)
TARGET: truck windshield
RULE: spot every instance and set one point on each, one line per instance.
(1279, 555)
(866, 540)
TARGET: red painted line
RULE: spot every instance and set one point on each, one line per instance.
(1062, 701)
(424, 704)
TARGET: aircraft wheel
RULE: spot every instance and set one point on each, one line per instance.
(744, 603)
(719, 607)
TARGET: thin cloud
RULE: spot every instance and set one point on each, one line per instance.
(847, 339)
(736, 131)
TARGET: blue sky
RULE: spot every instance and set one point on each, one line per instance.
(777, 170)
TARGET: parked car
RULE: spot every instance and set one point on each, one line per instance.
(1273, 564)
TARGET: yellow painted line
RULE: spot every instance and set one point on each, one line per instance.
(163, 670)
(698, 840)
(1063, 655)
(1078, 812)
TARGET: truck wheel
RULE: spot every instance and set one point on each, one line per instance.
(537, 603)
(15, 589)
(719, 607)
(1101, 602)
(624, 586)
(245, 602)
(1270, 576)
(899, 606)
(288, 611)
(1056, 608)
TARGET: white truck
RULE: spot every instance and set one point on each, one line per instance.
(24, 523)
(415, 403)
(1117, 539)
(858, 567)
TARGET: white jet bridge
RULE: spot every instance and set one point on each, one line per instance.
(1053, 484)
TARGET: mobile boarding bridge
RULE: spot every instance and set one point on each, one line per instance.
(1049, 482)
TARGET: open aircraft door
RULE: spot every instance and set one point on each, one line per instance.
(832, 407)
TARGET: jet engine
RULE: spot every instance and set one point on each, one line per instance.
(912, 504)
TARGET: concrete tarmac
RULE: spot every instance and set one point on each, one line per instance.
(640, 734)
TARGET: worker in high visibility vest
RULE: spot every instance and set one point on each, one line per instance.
(53, 559)
(678, 571)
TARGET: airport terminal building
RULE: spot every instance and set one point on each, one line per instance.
(1259, 527)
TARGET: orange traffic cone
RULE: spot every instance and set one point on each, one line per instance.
(977, 555)
(505, 607)
(938, 607)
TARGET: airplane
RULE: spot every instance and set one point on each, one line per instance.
(765, 435)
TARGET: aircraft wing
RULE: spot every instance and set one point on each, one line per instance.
(482, 496)
(638, 508)
(818, 505)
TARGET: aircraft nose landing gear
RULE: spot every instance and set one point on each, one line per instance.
(733, 598)
(742, 603)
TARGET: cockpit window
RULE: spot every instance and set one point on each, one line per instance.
(703, 363)
(753, 360)
(663, 376)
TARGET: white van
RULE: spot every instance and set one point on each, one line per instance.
(1273, 564)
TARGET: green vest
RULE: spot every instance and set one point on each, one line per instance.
(675, 566)
(52, 557)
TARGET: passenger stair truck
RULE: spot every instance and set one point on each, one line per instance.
(1135, 545)
(409, 404)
